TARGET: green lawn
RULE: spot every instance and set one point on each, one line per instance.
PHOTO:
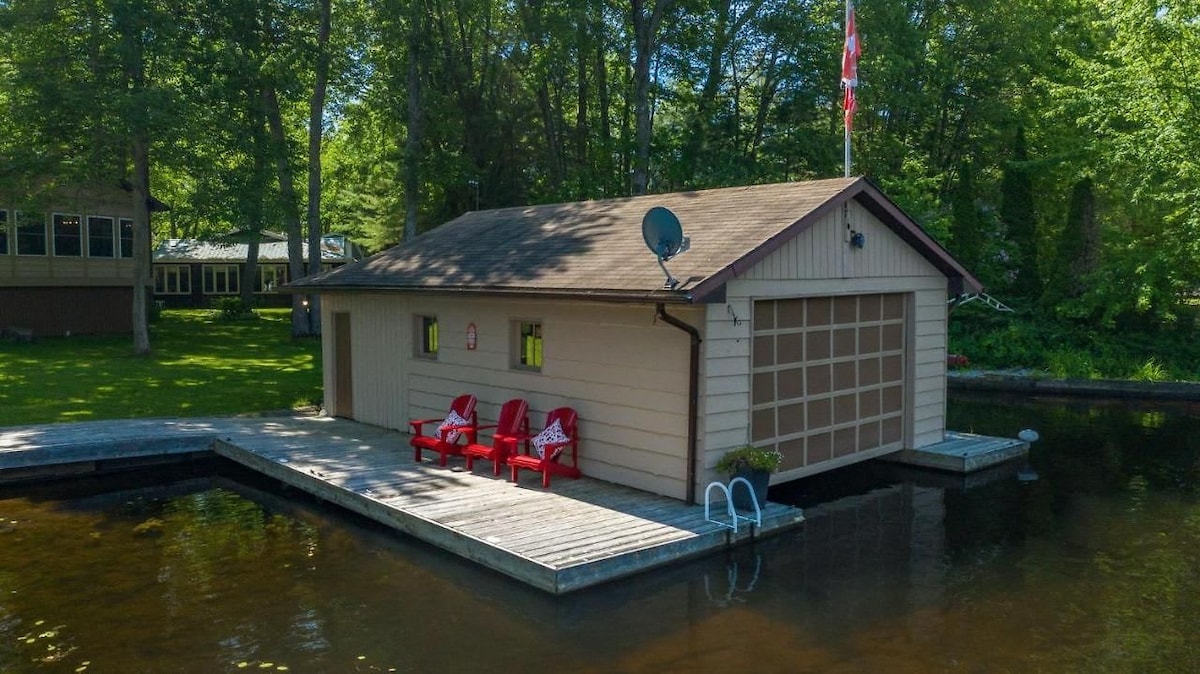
(201, 366)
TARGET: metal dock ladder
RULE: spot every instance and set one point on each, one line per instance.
(734, 517)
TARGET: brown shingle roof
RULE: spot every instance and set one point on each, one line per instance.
(595, 248)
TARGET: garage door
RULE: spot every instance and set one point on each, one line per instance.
(828, 377)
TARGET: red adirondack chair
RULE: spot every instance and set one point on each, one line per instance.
(560, 432)
(511, 428)
(460, 422)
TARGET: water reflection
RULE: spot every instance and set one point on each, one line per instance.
(1094, 566)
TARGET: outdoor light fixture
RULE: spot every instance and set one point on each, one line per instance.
(858, 239)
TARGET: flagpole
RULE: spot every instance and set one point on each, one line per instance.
(847, 134)
(846, 127)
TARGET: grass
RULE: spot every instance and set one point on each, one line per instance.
(200, 366)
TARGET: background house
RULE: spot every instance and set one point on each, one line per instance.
(810, 317)
(66, 262)
(193, 272)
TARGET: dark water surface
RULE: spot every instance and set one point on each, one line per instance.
(1092, 567)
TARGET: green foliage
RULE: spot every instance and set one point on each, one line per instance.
(518, 103)
(1046, 344)
(749, 457)
(199, 367)
(1017, 215)
(233, 309)
(1067, 364)
(1151, 370)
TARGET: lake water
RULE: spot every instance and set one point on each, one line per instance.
(1094, 566)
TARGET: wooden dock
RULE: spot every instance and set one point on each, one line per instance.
(962, 453)
(577, 534)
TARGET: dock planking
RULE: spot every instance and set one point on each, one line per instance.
(574, 535)
(962, 453)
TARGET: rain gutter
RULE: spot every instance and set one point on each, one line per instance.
(693, 395)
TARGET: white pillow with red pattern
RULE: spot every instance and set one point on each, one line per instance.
(552, 435)
(452, 420)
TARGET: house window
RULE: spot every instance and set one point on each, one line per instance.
(68, 235)
(100, 237)
(426, 339)
(31, 233)
(126, 237)
(270, 277)
(528, 343)
(3, 232)
(172, 279)
(220, 279)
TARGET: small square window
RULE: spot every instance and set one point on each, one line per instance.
(528, 345)
(425, 340)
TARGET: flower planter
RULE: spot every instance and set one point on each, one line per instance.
(759, 481)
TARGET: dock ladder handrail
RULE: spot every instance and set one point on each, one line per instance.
(734, 517)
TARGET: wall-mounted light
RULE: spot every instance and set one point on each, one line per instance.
(858, 239)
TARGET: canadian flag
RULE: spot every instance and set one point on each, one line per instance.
(850, 54)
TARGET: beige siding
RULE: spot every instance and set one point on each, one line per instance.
(27, 270)
(377, 332)
(823, 252)
(929, 366)
(67, 271)
(625, 374)
(820, 262)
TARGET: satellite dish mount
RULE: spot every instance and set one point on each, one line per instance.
(664, 237)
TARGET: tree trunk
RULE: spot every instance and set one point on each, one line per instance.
(252, 202)
(412, 143)
(130, 31)
(603, 99)
(289, 205)
(583, 160)
(695, 144)
(316, 127)
(249, 272)
(139, 149)
(643, 46)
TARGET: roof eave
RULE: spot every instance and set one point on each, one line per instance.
(594, 295)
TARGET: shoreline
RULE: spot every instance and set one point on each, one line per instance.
(977, 380)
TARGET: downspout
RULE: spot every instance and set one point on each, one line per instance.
(693, 395)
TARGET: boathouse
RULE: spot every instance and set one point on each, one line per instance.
(807, 316)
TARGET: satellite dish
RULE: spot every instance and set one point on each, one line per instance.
(664, 237)
(663, 233)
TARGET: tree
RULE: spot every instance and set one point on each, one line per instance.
(966, 228)
(1018, 217)
(1135, 97)
(316, 133)
(90, 94)
(1077, 255)
(645, 34)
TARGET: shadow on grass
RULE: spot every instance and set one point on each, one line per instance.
(199, 366)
